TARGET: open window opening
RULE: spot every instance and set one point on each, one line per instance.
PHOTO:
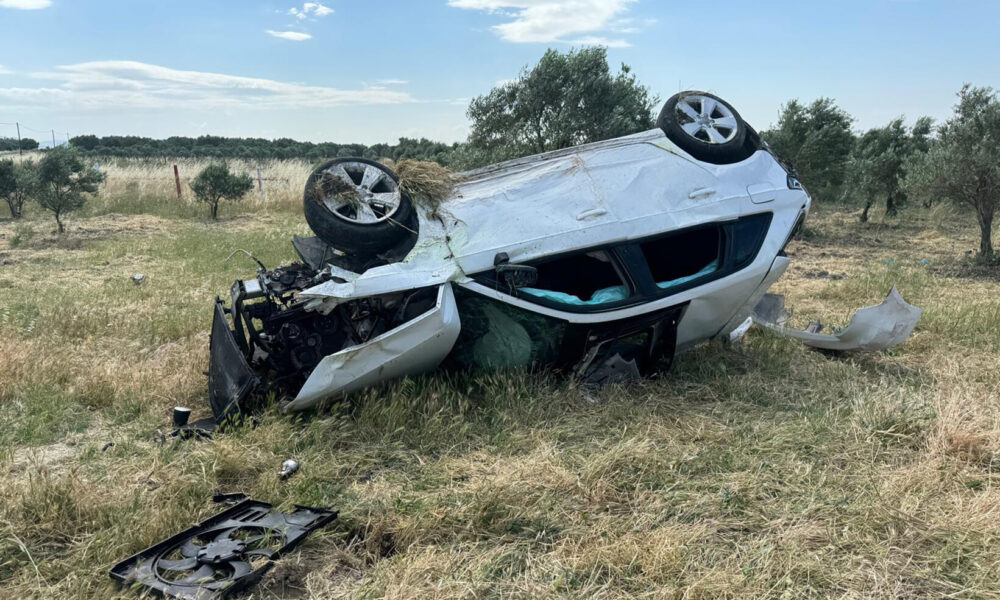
(588, 279)
(685, 256)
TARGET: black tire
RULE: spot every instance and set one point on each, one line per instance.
(733, 146)
(357, 239)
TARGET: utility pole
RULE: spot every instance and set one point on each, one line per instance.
(20, 151)
(53, 138)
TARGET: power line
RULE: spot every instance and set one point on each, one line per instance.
(21, 126)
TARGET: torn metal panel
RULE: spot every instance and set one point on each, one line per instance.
(745, 310)
(871, 329)
(416, 346)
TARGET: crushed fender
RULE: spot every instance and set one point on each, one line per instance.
(871, 329)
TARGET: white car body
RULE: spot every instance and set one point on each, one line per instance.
(599, 194)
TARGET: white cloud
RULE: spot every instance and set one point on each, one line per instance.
(116, 85)
(5, 71)
(25, 4)
(546, 21)
(315, 9)
(292, 36)
(391, 82)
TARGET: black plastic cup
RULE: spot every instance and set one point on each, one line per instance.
(181, 416)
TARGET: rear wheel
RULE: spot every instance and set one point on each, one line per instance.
(355, 205)
(706, 127)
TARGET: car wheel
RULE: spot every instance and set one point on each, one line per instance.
(356, 206)
(706, 127)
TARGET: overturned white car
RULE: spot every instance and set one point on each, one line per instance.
(601, 261)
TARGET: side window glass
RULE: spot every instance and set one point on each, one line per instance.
(682, 257)
(748, 235)
(588, 279)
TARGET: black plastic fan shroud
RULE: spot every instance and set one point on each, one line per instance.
(223, 555)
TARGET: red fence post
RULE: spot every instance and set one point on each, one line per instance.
(177, 180)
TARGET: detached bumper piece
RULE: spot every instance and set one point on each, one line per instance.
(231, 381)
(871, 329)
(221, 556)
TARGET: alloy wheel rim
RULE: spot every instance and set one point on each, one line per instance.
(375, 197)
(706, 119)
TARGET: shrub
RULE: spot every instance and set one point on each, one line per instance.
(17, 183)
(216, 183)
(63, 182)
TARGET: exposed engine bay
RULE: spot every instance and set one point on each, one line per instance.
(281, 342)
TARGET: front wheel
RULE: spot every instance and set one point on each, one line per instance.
(706, 127)
(355, 205)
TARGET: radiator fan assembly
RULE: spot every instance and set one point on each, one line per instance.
(223, 555)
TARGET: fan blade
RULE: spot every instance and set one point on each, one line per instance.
(204, 574)
(189, 549)
(240, 568)
(177, 565)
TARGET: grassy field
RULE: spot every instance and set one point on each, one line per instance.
(762, 470)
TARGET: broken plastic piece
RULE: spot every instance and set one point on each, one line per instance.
(738, 333)
(288, 468)
(872, 328)
(201, 429)
(223, 555)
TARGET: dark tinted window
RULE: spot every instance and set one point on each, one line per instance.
(680, 257)
(748, 235)
(582, 279)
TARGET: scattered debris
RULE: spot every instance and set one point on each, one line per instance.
(872, 328)
(330, 185)
(822, 274)
(427, 183)
(220, 497)
(288, 468)
(223, 555)
(201, 429)
(181, 416)
(138, 278)
(738, 333)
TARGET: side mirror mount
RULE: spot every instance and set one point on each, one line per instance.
(517, 276)
(513, 276)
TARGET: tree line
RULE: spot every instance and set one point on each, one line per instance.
(211, 146)
(8, 144)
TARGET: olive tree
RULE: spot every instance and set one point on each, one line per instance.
(817, 140)
(566, 99)
(64, 180)
(17, 183)
(878, 162)
(216, 183)
(963, 164)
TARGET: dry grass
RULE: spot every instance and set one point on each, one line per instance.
(425, 182)
(759, 471)
(147, 186)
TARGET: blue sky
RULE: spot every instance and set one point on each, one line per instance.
(376, 70)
